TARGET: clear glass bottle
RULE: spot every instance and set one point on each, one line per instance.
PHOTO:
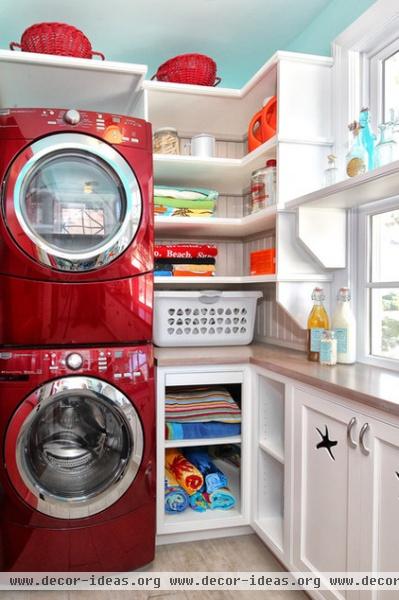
(344, 325)
(263, 186)
(330, 174)
(367, 137)
(385, 150)
(328, 348)
(357, 157)
(318, 321)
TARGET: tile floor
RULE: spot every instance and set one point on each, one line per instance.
(242, 553)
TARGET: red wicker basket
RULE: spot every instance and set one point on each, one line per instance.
(56, 38)
(196, 69)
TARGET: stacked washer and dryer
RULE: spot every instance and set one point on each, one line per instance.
(77, 405)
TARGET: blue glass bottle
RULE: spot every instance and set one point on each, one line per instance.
(367, 137)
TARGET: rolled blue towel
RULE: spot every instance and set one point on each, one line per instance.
(198, 502)
(213, 477)
(176, 499)
(221, 499)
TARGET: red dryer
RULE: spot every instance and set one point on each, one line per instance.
(77, 459)
(76, 228)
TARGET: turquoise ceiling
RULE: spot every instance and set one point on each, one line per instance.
(239, 34)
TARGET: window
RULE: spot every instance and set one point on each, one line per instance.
(384, 82)
(390, 91)
(379, 285)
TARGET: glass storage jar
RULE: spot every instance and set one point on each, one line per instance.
(166, 141)
(263, 186)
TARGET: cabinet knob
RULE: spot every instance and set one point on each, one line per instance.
(352, 443)
(362, 433)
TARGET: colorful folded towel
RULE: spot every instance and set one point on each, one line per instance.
(169, 211)
(186, 475)
(183, 261)
(214, 479)
(164, 273)
(194, 431)
(193, 273)
(176, 499)
(185, 251)
(198, 502)
(166, 191)
(182, 203)
(221, 499)
(201, 404)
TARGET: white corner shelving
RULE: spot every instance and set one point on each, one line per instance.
(30, 80)
(213, 281)
(216, 227)
(227, 175)
(233, 439)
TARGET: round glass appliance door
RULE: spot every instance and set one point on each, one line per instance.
(77, 200)
(78, 449)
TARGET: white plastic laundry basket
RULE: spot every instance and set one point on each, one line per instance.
(204, 318)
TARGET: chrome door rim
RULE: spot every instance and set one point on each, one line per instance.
(93, 147)
(76, 508)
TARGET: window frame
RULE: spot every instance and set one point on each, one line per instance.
(363, 283)
(373, 63)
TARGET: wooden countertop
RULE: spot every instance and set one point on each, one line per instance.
(375, 387)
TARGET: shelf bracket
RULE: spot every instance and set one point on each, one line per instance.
(323, 231)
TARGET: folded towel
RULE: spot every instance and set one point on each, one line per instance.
(168, 211)
(186, 475)
(201, 404)
(163, 266)
(185, 251)
(198, 502)
(166, 191)
(221, 499)
(182, 203)
(214, 479)
(195, 431)
(193, 273)
(193, 267)
(176, 499)
(183, 261)
(164, 273)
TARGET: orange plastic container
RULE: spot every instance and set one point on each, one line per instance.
(263, 125)
(263, 262)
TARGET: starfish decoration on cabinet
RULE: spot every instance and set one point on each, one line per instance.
(326, 442)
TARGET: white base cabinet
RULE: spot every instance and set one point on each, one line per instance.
(346, 489)
(319, 478)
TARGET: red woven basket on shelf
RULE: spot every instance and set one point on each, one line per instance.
(56, 38)
(196, 69)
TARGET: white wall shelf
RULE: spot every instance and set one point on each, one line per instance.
(30, 80)
(356, 191)
(220, 280)
(233, 439)
(216, 227)
(227, 175)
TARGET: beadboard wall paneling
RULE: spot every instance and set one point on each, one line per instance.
(274, 326)
(224, 148)
(230, 206)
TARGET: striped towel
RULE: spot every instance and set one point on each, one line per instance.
(201, 405)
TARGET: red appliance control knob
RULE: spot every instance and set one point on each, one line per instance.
(72, 117)
(74, 361)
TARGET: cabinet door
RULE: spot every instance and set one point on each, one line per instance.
(326, 477)
(380, 503)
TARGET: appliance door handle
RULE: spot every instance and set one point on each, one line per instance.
(352, 443)
(363, 431)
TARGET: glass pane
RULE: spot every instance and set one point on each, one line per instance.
(74, 201)
(77, 446)
(391, 84)
(385, 246)
(385, 322)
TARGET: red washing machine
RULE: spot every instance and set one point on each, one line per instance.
(77, 468)
(76, 228)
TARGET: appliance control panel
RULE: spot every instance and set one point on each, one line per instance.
(113, 364)
(30, 123)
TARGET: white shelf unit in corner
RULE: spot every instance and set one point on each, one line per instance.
(300, 146)
(30, 80)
